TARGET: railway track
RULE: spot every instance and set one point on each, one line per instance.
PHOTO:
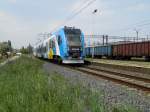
(129, 80)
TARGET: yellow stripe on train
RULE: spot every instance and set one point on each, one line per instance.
(50, 54)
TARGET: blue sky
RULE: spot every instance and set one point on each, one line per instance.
(22, 20)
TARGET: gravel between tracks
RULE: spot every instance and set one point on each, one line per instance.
(113, 93)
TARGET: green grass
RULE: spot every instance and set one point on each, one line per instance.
(25, 87)
(2, 60)
(123, 108)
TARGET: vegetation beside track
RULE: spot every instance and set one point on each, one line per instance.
(2, 59)
(25, 87)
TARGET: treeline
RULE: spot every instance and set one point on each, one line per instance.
(5, 47)
(27, 50)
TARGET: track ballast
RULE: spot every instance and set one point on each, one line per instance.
(129, 80)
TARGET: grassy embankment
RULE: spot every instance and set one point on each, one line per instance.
(2, 60)
(25, 87)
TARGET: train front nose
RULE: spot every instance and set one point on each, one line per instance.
(74, 56)
(75, 52)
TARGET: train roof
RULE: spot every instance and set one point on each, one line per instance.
(65, 29)
(68, 30)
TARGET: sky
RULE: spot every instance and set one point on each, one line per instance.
(22, 20)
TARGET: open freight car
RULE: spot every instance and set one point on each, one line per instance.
(99, 51)
(121, 51)
(128, 50)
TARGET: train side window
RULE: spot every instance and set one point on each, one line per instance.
(53, 44)
(50, 44)
(59, 40)
(45, 49)
(46, 46)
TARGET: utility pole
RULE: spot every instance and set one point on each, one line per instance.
(137, 34)
(94, 12)
(103, 40)
(106, 39)
(147, 37)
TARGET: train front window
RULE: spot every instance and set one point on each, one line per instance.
(73, 37)
(74, 40)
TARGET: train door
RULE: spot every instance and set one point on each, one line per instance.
(47, 50)
(55, 46)
(60, 47)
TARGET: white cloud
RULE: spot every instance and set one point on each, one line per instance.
(12, 1)
(2, 14)
(7, 22)
(98, 23)
(139, 7)
(110, 17)
(22, 32)
(19, 32)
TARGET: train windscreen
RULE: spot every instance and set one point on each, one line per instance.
(73, 37)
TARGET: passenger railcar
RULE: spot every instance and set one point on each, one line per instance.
(66, 46)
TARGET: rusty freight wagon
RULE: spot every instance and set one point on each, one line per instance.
(128, 50)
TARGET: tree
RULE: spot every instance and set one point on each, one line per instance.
(4, 48)
(24, 50)
(30, 49)
(27, 50)
(9, 46)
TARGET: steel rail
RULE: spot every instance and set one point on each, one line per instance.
(114, 79)
(121, 74)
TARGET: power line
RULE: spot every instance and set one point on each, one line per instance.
(82, 9)
(82, 3)
(139, 24)
(88, 3)
(145, 24)
(134, 25)
(77, 11)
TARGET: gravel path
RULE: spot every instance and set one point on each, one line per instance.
(113, 93)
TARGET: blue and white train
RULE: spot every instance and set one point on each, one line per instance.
(66, 46)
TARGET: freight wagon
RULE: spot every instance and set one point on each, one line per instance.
(99, 51)
(121, 51)
(88, 51)
(105, 50)
(128, 50)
